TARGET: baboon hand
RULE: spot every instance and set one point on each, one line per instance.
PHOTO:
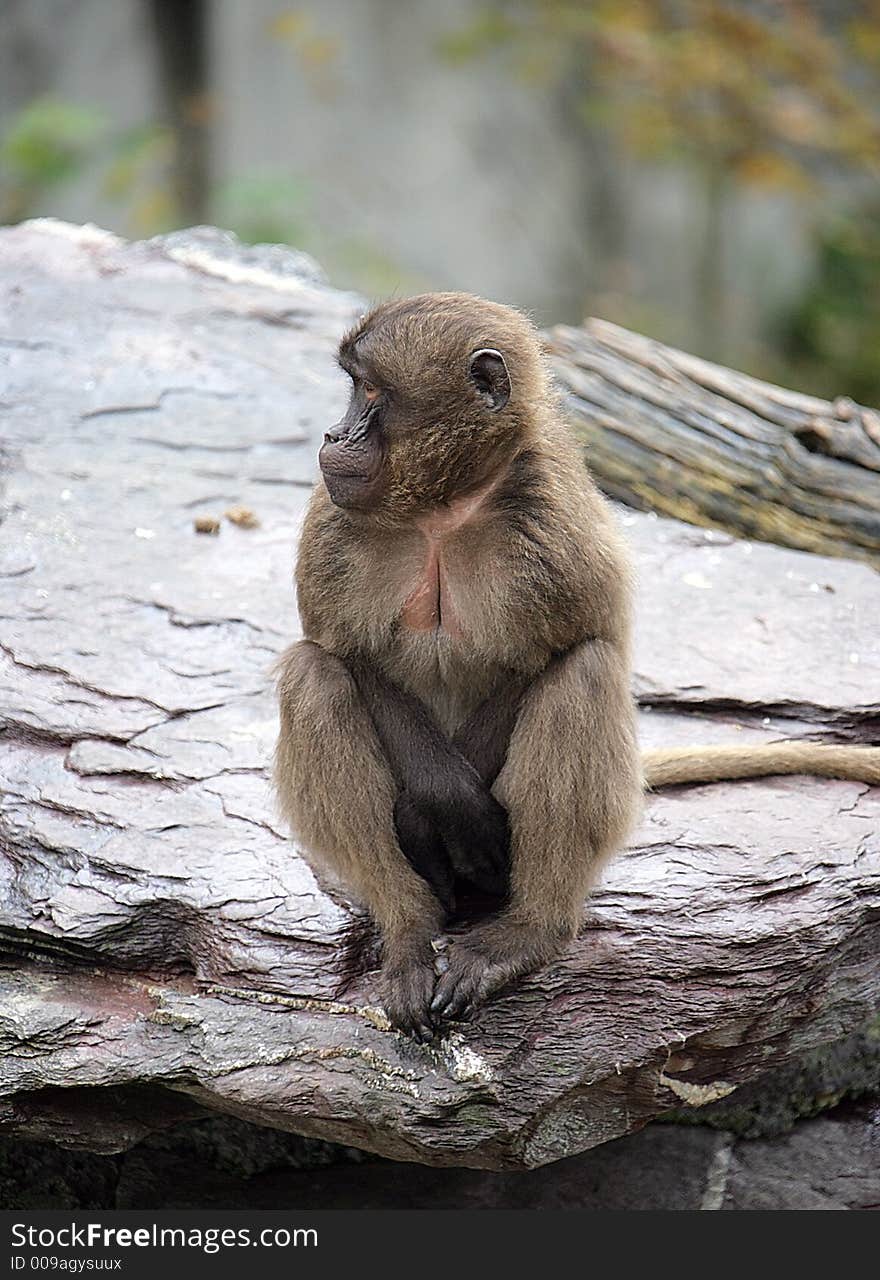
(484, 961)
(478, 838)
(407, 987)
(470, 978)
(422, 844)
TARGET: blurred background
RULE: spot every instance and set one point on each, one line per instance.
(704, 172)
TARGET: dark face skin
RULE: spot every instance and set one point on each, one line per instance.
(352, 456)
(412, 436)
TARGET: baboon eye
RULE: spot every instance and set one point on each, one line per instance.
(371, 391)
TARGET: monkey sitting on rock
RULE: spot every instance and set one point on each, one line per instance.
(459, 716)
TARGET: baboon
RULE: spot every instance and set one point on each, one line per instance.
(458, 719)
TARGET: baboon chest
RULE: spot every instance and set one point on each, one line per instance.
(443, 606)
(431, 604)
(440, 589)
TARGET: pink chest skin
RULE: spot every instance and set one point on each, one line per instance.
(431, 604)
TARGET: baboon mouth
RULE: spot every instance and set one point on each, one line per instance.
(351, 488)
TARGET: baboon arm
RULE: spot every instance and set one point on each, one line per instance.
(572, 786)
(572, 782)
(667, 767)
(337, 792)
(484, 738)
(446, 819)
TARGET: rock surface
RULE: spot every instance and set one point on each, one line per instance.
(167, 952)
(829, 1163)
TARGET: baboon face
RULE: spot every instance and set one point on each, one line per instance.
(436, 385)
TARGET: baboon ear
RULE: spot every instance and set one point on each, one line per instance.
(490, 377)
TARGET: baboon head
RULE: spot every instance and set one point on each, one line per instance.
(444, 385)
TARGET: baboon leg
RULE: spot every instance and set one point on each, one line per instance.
(337, 791)
(572, 785)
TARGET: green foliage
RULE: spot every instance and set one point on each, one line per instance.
(47, 143)
(762, 91)
(263, 208)
(316, 52)
(832, 336)
(50, 142)
(490, 29)
(132, 152)
(779, 96)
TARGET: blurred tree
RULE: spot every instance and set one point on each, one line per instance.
(779, 95)
(831, 337)
(180, 28)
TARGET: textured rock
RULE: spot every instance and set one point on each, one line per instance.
(847, 1070)
(220, 1163)
(829, 1163)
(158, 928)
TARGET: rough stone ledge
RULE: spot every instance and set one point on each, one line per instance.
(160, 931)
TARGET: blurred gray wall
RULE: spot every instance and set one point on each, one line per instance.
(455, 176)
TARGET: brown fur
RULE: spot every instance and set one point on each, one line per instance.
(482, 563)
(668, 767)
(540, 586)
